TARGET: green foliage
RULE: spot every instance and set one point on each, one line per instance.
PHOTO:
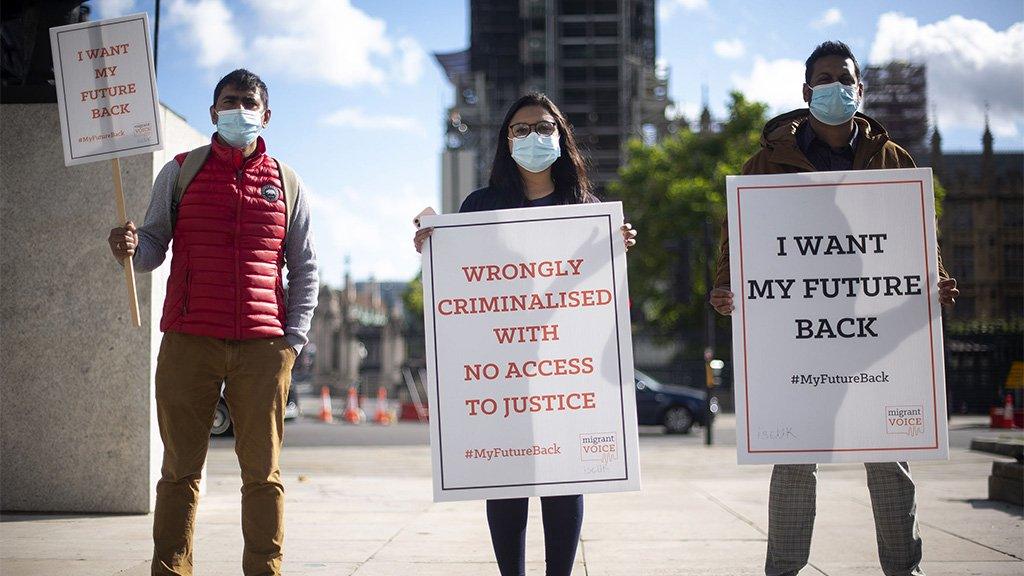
(413, 298)
(668, 191)
(940, 195)
(973, 327)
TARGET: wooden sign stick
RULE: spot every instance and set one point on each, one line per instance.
(129, 269)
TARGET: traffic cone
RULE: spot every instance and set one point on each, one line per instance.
(1008, 412)
(353, 415)
(326, 414)
(382, 416)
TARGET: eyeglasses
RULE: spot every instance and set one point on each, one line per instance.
(522, 129)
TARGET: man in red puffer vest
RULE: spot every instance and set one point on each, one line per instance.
(237, 217)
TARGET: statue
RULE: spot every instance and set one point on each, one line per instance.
(26, 63)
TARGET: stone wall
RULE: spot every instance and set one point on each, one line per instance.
(77, 420)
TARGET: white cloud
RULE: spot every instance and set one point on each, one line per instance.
(830, 17)
(325, 40)
(328, 41)
(669, 7)
(358, 119)
(408, 66)
(778, 83)
(689, 110)
(111, 8)
(969, 65)
(209, 27)
(373, 227)
(730, 49)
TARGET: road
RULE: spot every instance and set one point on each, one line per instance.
(307, 431)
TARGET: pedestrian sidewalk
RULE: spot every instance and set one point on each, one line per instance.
(367, 511)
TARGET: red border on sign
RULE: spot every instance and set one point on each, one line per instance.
(931, 331)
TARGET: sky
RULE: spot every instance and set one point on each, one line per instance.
(359, 103)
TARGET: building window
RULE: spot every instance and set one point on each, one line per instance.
(605, 118)
(574, 74)
(574, 7)
(575, 51)
(606, 74)
(606, 6)
(607, 142)
(577, 119)
(606, 28)
(964, 308)
(1013, 262)
(335, 352)
(574, 29)
(536, 11)
(1014, 306)
(535, 47)
(961, 217)
(606, 51)
(1013, 214)
(574, 96)
(649, 133)
(606, 96)
(962, 266)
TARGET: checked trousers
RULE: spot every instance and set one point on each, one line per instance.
(791, 510)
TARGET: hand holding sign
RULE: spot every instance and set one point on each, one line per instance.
(422, 233)
(123, 241)
(721, 301)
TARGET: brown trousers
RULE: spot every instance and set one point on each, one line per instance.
(256, 375)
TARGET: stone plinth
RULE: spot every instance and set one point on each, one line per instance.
(77, 420)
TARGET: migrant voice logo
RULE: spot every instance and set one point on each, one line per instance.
(599, 447)
(907, 420)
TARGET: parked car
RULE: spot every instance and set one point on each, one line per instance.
(677, 408)
(222, 418)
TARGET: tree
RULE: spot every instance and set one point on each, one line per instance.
(668, 192)
(413, 298)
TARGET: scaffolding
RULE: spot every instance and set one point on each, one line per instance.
(595, 58)
(895, 94)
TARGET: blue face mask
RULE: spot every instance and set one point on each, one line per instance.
(834, 103)
(238, 127)
(536, 153)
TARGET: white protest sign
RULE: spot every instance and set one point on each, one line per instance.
(106, 89)
(837, 333)
(529, 355)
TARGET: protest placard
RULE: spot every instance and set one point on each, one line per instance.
(530, 365)
(107, 101)
(106, 89)
(837, 333)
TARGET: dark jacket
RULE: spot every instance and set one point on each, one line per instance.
(780, 154)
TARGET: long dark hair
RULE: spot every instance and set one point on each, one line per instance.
(569, 172)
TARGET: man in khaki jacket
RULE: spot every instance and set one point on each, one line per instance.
(831, 135)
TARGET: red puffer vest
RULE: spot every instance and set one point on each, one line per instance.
(228, 249)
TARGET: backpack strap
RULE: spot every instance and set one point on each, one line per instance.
(193, 163)
(290, 184)
(191, 166)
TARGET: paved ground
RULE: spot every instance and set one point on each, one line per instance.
(366, 511)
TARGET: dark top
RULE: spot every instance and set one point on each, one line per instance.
(822, 156)
(487, 199)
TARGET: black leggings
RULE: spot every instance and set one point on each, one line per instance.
(563, 518)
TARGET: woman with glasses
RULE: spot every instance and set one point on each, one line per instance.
(536, 163)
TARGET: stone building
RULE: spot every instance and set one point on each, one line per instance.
(356, 337)
(982, 228)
